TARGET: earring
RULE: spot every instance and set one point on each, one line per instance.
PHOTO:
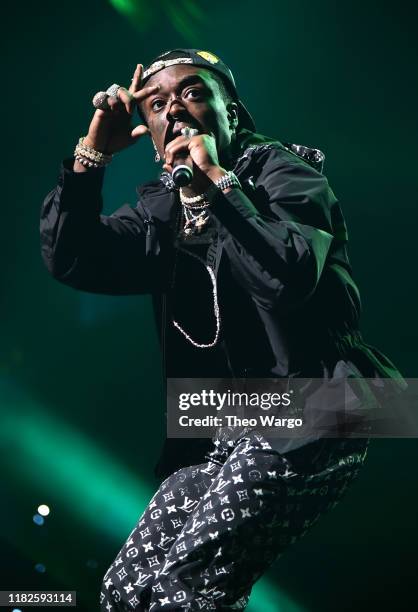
(157, 157)
(233, 124)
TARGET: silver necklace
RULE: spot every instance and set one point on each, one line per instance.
(214, 294)
(195, 213)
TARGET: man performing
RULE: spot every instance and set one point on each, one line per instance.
(247, 264)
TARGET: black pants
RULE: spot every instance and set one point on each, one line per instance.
(211, 530)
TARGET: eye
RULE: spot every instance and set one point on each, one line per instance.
(196, 92)
(153, 104)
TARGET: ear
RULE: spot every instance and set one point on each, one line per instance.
(232, 108)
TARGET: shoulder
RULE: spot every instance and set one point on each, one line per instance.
(287, 184)
(280, 156)
(285, 174)
(259, 147)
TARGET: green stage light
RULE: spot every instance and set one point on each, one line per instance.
(186, 16)
(266, 597)
(59, 459)
(127, 7)
(139, 12)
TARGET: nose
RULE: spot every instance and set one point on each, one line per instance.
(175, 108)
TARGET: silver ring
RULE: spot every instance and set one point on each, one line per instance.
(189, 132)
(113, 90)
(100, 100)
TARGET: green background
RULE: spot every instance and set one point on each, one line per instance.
(80, 386)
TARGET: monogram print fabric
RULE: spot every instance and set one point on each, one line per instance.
(211, 530)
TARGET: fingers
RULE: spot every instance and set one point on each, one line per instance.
(144, 92)
(139, 130)
(136, 79)
(181, 143)
(132, 96)
(127, 99)
(123, 99)
(115, 105)
(135, 89)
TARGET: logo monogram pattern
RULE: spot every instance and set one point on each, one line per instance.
(193, 516)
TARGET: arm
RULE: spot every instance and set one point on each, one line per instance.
(277, 242)
(92, 252)
(83, 248)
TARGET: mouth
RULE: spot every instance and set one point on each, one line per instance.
(176, 131)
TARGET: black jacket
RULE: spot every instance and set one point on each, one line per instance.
(289, 305)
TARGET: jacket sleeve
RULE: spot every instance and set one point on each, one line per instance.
(278, 237)
(89, 251)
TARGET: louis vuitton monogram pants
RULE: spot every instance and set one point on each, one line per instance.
(211, 530)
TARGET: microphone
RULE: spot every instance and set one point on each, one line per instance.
(182, 174)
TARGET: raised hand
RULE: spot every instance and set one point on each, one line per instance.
(111, 130)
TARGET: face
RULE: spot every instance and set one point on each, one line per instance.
(188, 96)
